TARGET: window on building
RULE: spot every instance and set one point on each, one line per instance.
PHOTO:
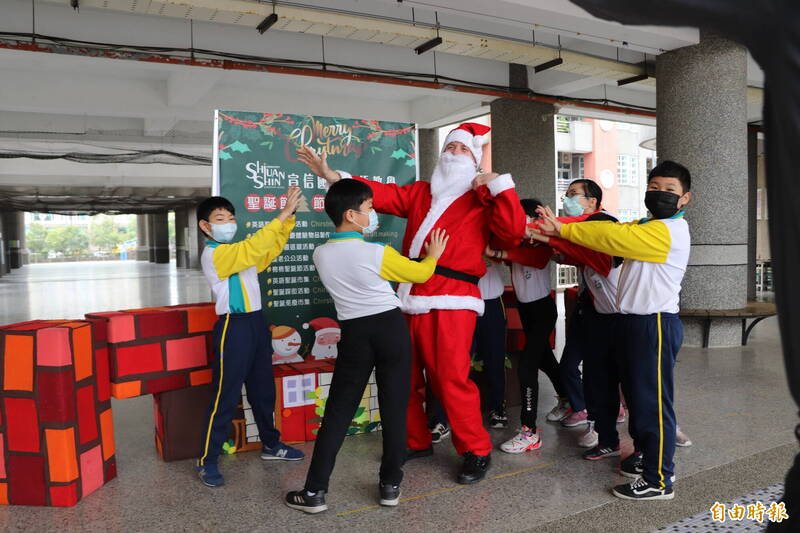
(627, 170)
(577, 165)
(563, 173)
(628, 215)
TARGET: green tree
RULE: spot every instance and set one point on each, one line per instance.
(36, 238)
(107, 232)
(69, 240)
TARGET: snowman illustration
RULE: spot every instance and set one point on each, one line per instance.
(286, 343)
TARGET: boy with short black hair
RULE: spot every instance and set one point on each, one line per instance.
(375, 336)
(240, 339)
(656, 252)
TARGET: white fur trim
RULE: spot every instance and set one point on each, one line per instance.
(323, 331)
(418, 305)
(501, 183)
(435, 212)
(344, 175)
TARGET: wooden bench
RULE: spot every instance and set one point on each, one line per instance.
(755, 310)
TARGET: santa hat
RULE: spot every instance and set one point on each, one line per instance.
(323, 325)
(473, 135)
(281, 332)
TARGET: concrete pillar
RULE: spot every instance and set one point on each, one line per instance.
(14, 238)
(752, 222)
(181, 235)
(142, 246)
(151, 251)
(195, 239)
(524, 144)
(427, 151)
(702, 124)
(159, 237)
(3, 261)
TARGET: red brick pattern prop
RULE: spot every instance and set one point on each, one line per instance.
(56, 428)
(155, 349)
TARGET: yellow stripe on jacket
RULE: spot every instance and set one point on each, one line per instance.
(396, 267)
(650, 242)
(257, 251)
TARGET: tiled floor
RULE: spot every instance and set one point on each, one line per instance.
(732, 402)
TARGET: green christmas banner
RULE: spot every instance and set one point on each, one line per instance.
(255, 163)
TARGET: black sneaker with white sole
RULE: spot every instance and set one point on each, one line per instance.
(390, 494)
(632, 466)
(498, 418)
(302, 500)
(640, 489)
(597, 453)
(440, 432)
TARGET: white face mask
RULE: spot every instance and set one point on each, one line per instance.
(223, 232)
(452, 175)
(373, 222)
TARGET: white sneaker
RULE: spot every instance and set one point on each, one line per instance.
(681, 439)
(558, 412)
(523, 441)
(590, 438)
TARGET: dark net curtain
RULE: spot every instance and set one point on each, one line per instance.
(771, 30)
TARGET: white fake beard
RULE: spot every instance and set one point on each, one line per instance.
(452, 176)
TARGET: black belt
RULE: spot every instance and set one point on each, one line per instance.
(453, 274)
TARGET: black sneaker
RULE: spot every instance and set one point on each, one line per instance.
(474, 469)
(440, 431)
(598, 453)
(419, 454)
(640, 489)
(632, 466)
(390, 494)
(498, 418)
(302, 500)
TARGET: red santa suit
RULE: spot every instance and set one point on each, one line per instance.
(442, 311)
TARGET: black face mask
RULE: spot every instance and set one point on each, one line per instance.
(661, 204)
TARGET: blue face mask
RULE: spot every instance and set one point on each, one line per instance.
(373, 222)
(223, 232)
(572, 206)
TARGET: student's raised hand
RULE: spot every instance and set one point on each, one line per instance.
(483, 179)
(548, 223)
(536, 235)
(435, 247)
(317, 164)
(293, 196)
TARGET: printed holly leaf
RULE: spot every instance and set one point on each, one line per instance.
(372, 426)
(410, 162)
(352, 431)
(315, 420)
(238, 146)
(319, 402)
(311, 394)
(374, 149)
(399, 154)
(268, 144)
(225, 155)
(315, 431)
(359, 412)
(320, 411)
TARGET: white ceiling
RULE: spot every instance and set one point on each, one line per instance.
(54, 97)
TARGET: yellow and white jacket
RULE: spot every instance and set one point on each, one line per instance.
(656, 253)
(232, 269)
(357, 273)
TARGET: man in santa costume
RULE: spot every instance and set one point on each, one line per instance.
(327, 335)
(441, 312)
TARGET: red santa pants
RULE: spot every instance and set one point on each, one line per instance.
(441, 342)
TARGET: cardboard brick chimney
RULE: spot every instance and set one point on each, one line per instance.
(157, 349)
(56, 427)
